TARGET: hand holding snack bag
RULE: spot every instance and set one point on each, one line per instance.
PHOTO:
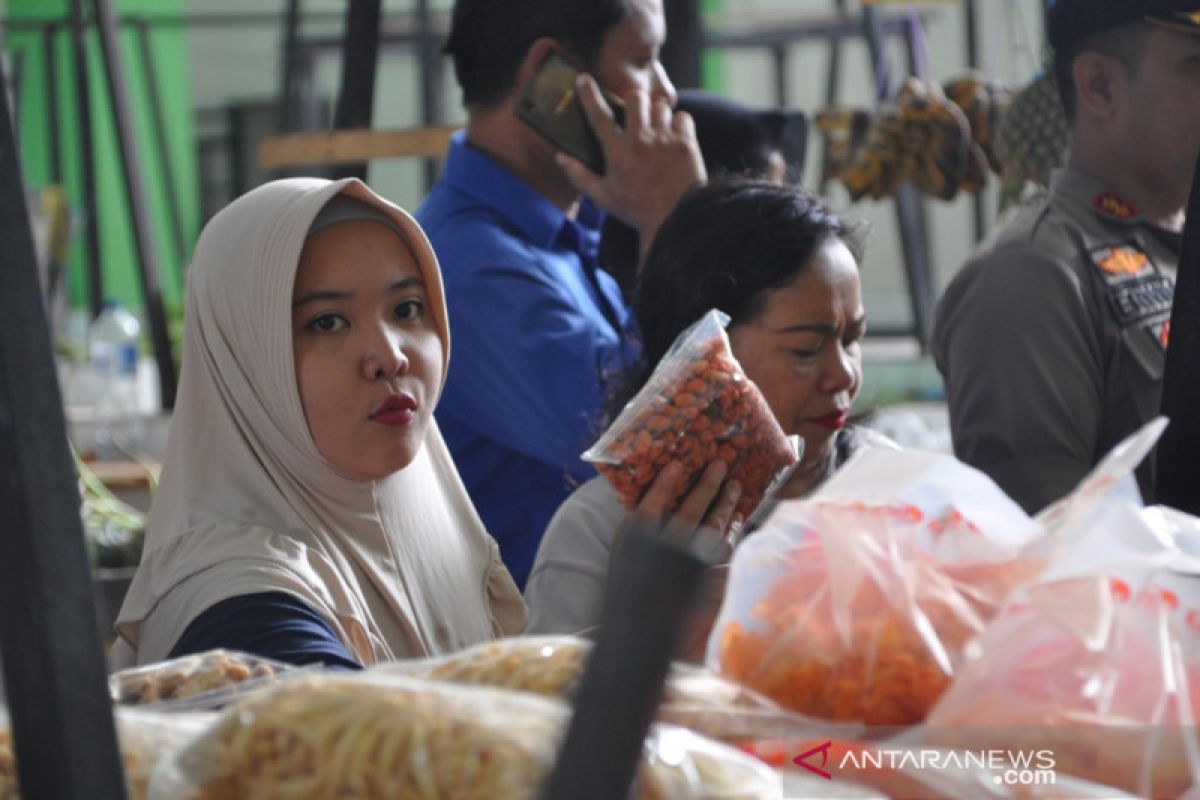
(856, 604)
(697, 407)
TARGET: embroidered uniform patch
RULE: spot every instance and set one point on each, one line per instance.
(1141, 298)
(1161, 333)
(1111, 204)
(1121, 260)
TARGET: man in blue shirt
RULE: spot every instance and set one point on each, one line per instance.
(536, 323)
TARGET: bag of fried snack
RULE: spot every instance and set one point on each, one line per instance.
(551, 666)
(144, 737)
(856, 604)
(383, 736)
(1098, 661)
(193, 678)
(697, 406)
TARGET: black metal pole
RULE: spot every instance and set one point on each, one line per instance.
(288, 112)
(685, 40)
(54, 673)
(431, 79)
(971, 16)
(87, 160)
(1176, 476)
(51, 67)
(910, 206)
(654, 582)
(360, 59)
(147, 261)
(160, 135)
(779, 59)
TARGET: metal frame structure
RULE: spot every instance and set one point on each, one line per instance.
(54, 671)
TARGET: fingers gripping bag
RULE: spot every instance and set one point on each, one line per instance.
(856, 604)
(698, 406)
(1098, 660)
(385, 736)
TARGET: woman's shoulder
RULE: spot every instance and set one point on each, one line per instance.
(858, 437)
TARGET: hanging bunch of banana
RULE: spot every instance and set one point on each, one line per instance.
(939, 138)
(1031, 140)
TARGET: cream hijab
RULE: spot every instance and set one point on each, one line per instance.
(399, 567)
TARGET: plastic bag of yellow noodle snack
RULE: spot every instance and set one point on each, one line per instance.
(193, 678)
(552, 665)
(378, 736)
(145, 737)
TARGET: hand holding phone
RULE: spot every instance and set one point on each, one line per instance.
(549, 103)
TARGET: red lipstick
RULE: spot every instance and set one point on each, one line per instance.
(397, 409)
(834, 420)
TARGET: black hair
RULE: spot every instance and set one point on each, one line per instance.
(489, 38)
(727, 245)
(1125, 43)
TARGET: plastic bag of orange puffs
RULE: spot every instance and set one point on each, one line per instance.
(857, 603)
(697, 406)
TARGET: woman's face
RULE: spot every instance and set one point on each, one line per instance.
(367, 353)
(804, 353)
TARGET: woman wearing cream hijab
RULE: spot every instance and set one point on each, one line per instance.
(309, 509)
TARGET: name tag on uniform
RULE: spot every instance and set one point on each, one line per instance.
(1137, 292)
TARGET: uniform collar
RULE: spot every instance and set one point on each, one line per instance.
(484, 179)
(1082, 189)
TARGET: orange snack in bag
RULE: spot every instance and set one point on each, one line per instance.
(885, 675)
(870, 633)
(698, 406)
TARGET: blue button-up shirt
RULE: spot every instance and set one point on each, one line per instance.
(537, 329)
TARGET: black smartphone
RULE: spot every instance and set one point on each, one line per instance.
(549, 103)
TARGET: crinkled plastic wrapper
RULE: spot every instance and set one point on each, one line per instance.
(145, 737)
(1122, 714)
(193, 678)
(859, 610)
(698, 406)
(377, 736)
(551, 666)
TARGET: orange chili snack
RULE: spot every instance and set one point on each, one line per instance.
(697, 407)
(871, 633)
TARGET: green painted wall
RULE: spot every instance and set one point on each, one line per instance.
(169, 54)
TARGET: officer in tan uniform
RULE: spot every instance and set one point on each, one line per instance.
(1051, 339)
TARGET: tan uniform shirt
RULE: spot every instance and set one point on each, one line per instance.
(1052, 339)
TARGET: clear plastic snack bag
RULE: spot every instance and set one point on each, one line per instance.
(144, 737)
(857, 604)
(551, 666)
(193, 678)
(697, 406)
(1098, 660)
(380, 736)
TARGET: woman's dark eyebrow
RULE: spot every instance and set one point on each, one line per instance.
(822, 327)
(333, 294)
(406, 283)
(313, 297)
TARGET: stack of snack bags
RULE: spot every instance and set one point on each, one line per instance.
(856, 604)
(376, 735)
(1098, 661)
(145, 738)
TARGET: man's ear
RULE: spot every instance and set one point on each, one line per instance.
(1098, 81)
(538, 51)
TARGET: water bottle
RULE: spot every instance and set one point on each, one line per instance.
(113, 355)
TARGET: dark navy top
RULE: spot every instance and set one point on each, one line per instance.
(271, 625)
